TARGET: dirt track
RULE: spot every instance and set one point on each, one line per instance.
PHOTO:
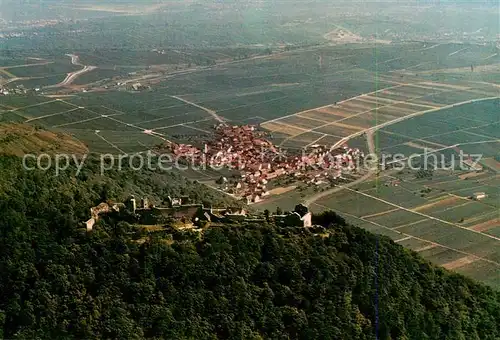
(211, 112)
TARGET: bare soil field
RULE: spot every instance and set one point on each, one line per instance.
(300, 122)
(393, 96)
(340, 131)
(492, 163)
(281, 190)
(359, 106)
(485, 226)
(371, 118)
(283, 128)
(463, 261)
(319, 116)
(334, 111)
(409, 107)
(347, 128)
(394, 111)
(444, 201)
(375, 98)
(345, 109)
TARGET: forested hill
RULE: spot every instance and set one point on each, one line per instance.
(253, 281)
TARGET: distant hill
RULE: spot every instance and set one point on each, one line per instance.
(19, 139)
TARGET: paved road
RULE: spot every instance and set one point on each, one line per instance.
(367, 176)
(70, 78)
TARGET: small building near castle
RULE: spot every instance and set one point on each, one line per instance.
(300, 217)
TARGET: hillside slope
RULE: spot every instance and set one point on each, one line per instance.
(19, 139)
(233, 282)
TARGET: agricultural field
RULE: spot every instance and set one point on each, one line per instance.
(321, 95)
(434, 216)
(398, 95)
(470, 128)
(38, 70)
(102, 74)
(302, 97)
(43, 69)
(40, 82)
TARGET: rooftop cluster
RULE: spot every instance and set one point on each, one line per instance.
(247, 150)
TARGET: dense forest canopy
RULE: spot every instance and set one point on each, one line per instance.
(248, 281)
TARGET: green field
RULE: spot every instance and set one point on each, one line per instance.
(472, 128)
(423, 214)
(58, 67)
(40, 81)
(267, 87)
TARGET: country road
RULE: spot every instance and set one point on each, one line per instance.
(75, 60)
(371, 147)
(71, 77)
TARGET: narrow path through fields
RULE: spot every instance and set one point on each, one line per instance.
(209, 111)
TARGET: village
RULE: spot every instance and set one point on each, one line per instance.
(17, 90)
(259, 161)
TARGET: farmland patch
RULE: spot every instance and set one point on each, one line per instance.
(300, 122)
(320, 116)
